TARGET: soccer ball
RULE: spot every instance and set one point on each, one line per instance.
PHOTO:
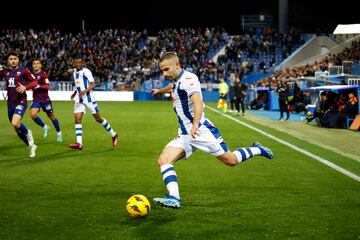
(138, 206)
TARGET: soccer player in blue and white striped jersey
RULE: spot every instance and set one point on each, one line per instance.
(195, 130)
(84, 83)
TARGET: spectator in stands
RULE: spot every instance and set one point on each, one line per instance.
(283, 92)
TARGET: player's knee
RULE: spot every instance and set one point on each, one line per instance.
(162, 160)
(16, 125)
(99, 119)
(51, 116)
(33, 115)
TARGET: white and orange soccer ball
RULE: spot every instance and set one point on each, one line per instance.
(138, 206)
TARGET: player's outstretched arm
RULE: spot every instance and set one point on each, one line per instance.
(33, 82)
(198, 109)
(73, 95)
(166, 89)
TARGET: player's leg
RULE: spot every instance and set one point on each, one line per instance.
(95, 112)
(56, 124)
(166, 159)
(20, 129)
(23, 132)
(78, 130)
(210, 141)
(34, 110)
(242, 154)
(79, 110)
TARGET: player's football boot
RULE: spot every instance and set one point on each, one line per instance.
(168, 201)
(46, 130)
(76, 146)
(266, 152)
(32, 149)
(115, 140)
(59, 138)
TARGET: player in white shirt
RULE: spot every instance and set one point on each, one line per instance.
(195, 130)
(84, 84)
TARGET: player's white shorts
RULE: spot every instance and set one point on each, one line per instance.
(209, 141)
(81, 107)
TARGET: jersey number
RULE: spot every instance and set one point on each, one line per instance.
(11, 82)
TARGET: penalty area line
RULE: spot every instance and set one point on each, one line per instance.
(303, 151)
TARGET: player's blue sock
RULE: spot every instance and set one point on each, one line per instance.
(23, 128)
(23, 137)
(108, 128)
(39, 122)
(170, 180)
(78, 133)
(56, 124)
(242, 154)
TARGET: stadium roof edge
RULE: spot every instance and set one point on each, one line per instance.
(347, 29)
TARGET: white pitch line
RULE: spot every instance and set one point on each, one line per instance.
(303, 151)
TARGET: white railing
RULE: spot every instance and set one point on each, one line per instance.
(354, 81)
(338, 70)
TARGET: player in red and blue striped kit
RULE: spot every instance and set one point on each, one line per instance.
(16, 78)
(42, 101)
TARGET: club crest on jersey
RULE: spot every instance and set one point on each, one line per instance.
(18, 73)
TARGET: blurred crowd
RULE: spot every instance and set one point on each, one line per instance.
(129, 58)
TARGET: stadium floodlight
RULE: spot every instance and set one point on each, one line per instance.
(347, 29)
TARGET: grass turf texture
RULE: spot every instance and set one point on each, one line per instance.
(70, 194)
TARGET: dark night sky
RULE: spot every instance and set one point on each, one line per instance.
(309, 15)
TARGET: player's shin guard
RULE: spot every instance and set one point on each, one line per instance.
(242, 154)
(78, 132)
(39, 122)
(107, 127)
(56, 124)
(170, 180)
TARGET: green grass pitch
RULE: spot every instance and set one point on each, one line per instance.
(70, 194)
